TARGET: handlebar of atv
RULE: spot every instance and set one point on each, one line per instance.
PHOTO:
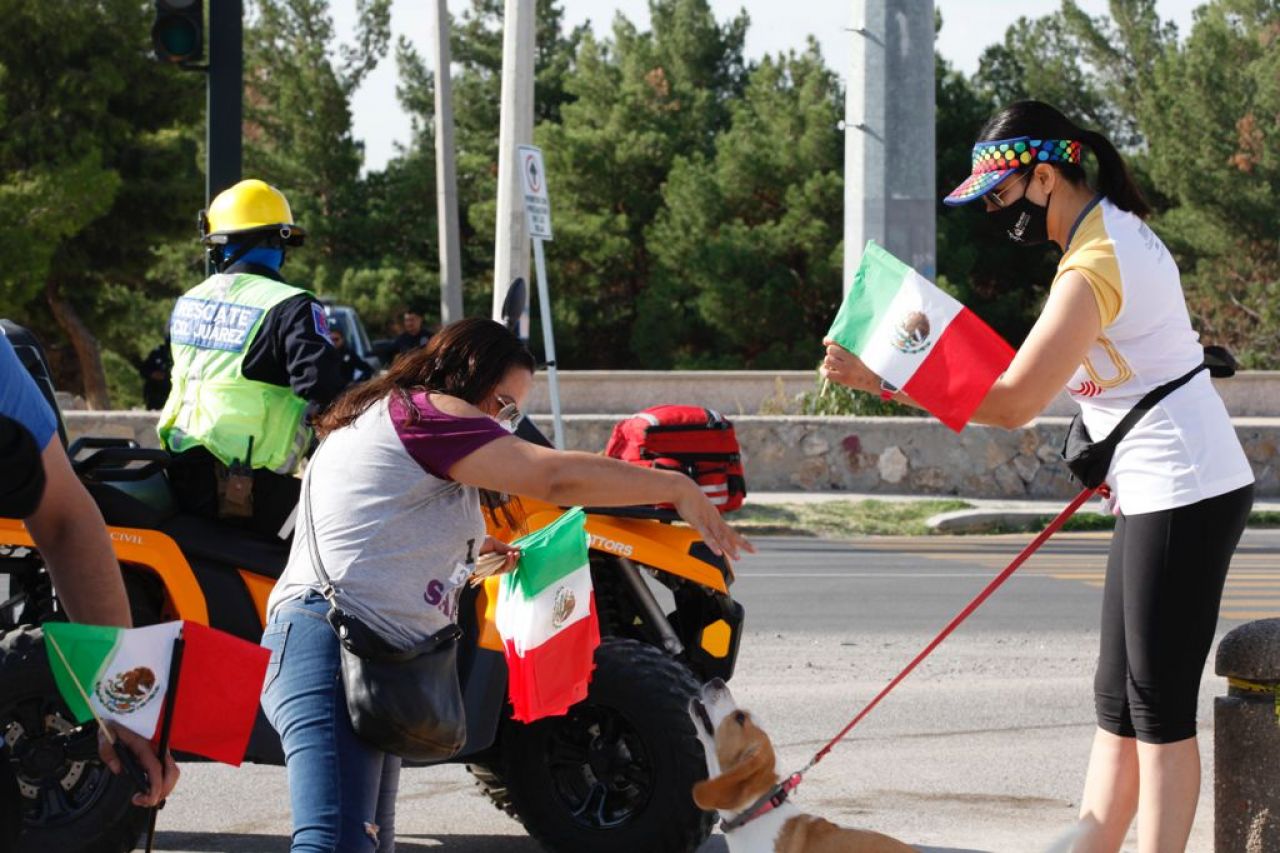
(651, 513)
(111, 459)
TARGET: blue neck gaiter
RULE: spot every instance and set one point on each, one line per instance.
(261, 255)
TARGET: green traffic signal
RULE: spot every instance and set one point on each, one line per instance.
(178, 32)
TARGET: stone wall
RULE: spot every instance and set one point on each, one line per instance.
(872, 455)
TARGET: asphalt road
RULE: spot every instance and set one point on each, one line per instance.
(982, 748)
(912, 585)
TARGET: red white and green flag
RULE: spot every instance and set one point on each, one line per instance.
(919, 339)
(125, 674)
(547, 619)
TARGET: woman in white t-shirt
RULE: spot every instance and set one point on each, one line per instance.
(1115, 326)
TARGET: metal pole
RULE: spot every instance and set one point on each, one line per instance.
(511, 252)
(224, 99)
(446, 174)
(890, 192)
(549, 342)
(864, 134)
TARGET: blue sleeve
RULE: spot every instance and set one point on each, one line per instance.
(21, 400)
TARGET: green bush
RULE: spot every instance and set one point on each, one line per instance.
(123, 382)
(839, 400)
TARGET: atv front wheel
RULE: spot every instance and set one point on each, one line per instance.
(616, 773)
(71, 802)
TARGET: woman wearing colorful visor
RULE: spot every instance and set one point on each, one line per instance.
(1115, 327)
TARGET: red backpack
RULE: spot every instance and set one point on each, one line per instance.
(699, 442)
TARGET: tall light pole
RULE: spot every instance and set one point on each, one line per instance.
(890, 179)
(446, 174)
(511, 253)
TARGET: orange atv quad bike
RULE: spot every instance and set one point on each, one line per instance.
(614, 774)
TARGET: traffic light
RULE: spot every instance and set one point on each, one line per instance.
(178, 32)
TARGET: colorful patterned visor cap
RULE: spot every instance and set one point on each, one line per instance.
(995, 160)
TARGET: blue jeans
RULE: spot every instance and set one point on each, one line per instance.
(343, 792)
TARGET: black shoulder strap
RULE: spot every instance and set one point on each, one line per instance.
(1155, 395)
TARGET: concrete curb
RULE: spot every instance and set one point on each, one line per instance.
(994, 520)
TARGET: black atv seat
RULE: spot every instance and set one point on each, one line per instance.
(205, 539)
(199, 538)
(145, 505)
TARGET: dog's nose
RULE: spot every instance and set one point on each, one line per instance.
(713, 688)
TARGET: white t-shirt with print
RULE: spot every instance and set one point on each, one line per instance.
(1185, 449)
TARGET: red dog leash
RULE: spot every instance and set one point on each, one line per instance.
(1052, 528)
(780, 791)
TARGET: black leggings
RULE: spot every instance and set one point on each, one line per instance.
(1164, 583)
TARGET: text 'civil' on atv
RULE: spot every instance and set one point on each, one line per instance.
(613, 774)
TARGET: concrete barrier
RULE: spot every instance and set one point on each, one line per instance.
(907, 456)
(1249, 394)
(1246, 741)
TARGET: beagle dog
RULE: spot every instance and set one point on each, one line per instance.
(741, 772)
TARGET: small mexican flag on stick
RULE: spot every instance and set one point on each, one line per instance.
(547, 619)
(919, 339)
(124, 674)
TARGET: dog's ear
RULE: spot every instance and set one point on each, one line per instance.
(729, 790)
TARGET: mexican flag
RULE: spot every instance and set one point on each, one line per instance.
(125, 674)
(547, 619)
(919, 339)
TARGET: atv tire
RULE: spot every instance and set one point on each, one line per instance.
(616, 773)
(71, 802)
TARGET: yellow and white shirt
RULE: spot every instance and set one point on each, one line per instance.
(1184, 450)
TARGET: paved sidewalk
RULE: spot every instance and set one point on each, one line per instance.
(1043, 506)
(987, 513)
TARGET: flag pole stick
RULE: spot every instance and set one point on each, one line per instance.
(166, 725)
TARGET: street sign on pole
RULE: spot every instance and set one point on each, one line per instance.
(537, 213)
(533, 182)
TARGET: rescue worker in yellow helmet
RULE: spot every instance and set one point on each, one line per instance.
(252, 363)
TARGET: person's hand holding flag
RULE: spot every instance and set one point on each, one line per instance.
(162, 782)
(844, 368)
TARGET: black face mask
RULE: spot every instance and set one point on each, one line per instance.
(1025, 222)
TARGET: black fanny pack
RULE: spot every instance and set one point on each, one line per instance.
(1090, 460)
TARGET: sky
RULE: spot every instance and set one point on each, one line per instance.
(776, 26)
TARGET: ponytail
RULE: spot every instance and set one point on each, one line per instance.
(1038, 120)
(1114, 180)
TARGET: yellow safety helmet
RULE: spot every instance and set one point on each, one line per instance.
(251, 206)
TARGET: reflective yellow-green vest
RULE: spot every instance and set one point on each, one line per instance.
(212, 404)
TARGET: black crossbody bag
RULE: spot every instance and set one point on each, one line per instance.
(1090, 460)
(403, 701)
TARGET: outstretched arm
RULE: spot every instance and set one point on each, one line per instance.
(518, 467)
(1054, 349)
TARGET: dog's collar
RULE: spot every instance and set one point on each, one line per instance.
(772, 799)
